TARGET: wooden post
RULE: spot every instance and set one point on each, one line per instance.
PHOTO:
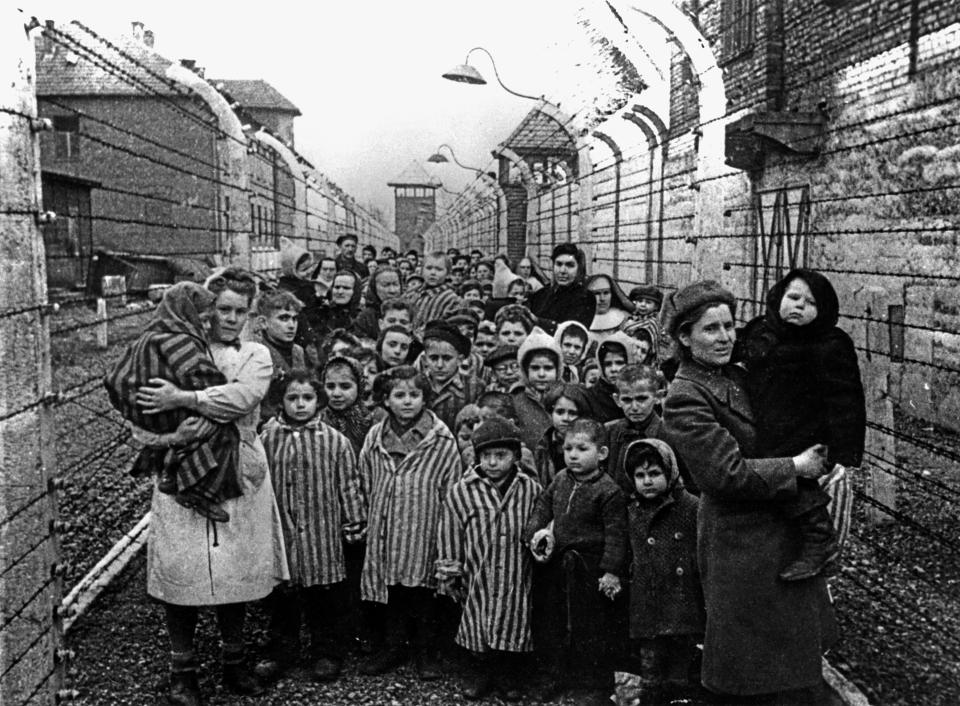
(30, 583)
(875, 370)
(102, 329)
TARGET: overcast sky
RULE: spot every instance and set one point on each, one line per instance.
(366, 75)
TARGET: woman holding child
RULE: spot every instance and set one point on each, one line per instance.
(764, 636)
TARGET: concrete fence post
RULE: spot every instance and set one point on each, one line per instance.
(872, 335)
(30, 583)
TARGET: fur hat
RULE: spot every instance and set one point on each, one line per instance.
(647, 291)
(679, 305)
(445, 331)
(496, 431)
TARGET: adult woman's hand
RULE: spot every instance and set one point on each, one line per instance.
(812, 463)
(161, 395)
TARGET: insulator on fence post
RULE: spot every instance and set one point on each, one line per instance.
(64, 655)
(59, 526)
(55, 484)
(46, 217)
(41, 125)
(59, 569)
(65, 695)
(64, 611)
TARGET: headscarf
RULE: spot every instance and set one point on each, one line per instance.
(179, 310)
(667, 458)
(502, 277)
(828, 306)
(618, 298)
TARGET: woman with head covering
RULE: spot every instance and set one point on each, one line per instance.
(763, 635)
(530, 273)
(191, 562)
(613, 306)
(384, 284)
(343, 302)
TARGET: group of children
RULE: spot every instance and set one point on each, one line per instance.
(467, 477)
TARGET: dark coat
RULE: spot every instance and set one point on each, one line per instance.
(814, 368)
(603, 407)
(553, 305)
(665, 593)
(620, 432)
(763, 635)
(534, 419)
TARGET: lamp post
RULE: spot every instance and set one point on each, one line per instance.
(439, 158)
(464, 73)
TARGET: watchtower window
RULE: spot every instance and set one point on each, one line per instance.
(737, 28)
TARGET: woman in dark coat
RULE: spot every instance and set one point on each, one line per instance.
(566, 298)
(763, 635)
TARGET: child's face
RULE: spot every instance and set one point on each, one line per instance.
(572, 348)
(484, 343)
(507, 372)
(645, 306)
(395, 348)
(340, 389)
(798, 306)
(488, 412)
(581, 453)
(405, 401)
(650, 480)
(484, 273)
(497, 461)
(395, 317)
(564, 414)
(472, 295)
(465, 433)
(613, 362)
(414, 286)
(590, 377)
(467, 330)
(541, 372)
(456, 277)
(369, 373)
(643, 348)
(300, 401)
(339, 348)
(518, 293)
(281, 325)
(328, 268)
(637, 400)
(512, 333)
(434, 271)
(443, 360)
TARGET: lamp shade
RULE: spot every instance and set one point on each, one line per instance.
(437, 158)
(464, 73)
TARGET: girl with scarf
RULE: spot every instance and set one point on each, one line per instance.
(200, 474)
(804, 386)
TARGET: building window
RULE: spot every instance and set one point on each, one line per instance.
(66, 135)
(737, 27)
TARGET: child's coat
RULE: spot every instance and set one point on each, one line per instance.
(479, 541)
(665, 593)
(405, 504)
(319, 496)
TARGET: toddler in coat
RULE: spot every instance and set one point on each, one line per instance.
(804, 385)
(408, 463)
(482, 562)
(320, 501)
(666, 600)
(578, 529)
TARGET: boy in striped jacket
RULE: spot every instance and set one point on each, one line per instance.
(483, 563)
(321, 504)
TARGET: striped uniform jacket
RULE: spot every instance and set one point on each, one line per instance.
(434, 303)
(453, 395)
(319, 496)
(186, 361)
(405, 503)
(480, 541)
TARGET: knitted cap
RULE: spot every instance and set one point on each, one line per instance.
(441, 330)
(679, 305)
(496, 432)
(505, 351)
(646, 291)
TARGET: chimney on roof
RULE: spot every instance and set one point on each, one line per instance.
(137, 30)
(148, 37)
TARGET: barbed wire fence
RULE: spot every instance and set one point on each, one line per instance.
(181, 186)
(886, 236)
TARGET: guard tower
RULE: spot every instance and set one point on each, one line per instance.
(415, 205)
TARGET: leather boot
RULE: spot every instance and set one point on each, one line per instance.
(184, 687)
(237, 677)
(819, 549)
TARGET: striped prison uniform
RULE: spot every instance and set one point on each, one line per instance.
(405, 494)
(452, 396)
(207, 465)
(480, 542)
(434, 303)
(319, 496)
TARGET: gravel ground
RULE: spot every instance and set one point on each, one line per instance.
(897, 596)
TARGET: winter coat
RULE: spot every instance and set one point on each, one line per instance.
(762, 634)
(455, 394)
(405, 501)
(548, 456)
(603, 407)
(588, 516)
(352, 265)
(242, 560)
(665, 593)
(534, 419)
(554, 304)
(434, 303)
(285, 358)
(570, 373)
(319, 497)
(309, 320)
(479, 542)
(804, 381)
